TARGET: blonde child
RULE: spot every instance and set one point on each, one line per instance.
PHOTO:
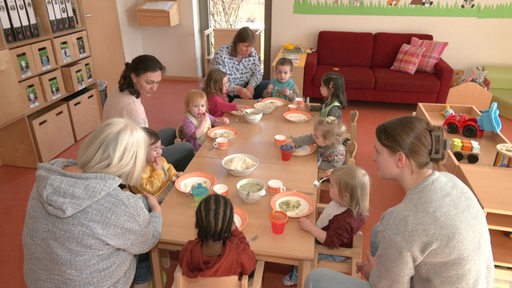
(197, 120)
(157, 173)
(282, 86)
(216, 88)
(333, 89)
(220, 249)
(344, 215)
(329, 136)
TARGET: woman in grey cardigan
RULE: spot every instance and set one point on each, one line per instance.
(437, 236)
(81, 229)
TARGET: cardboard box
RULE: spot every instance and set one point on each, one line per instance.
(84, 111)
(159, 13)
(44, 58)
(74, 77)
(81, 44)
(64, 51)
(32, 92)
(52, 85)
(52, 132)
(90, 75)
(24, 62)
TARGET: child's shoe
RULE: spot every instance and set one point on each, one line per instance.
(287, 281)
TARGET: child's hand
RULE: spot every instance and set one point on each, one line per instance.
(307, 106)
(286, 91)
(305, 224)
(241, 107)
(225, 120)
(289, 141)
(270, 88)
(157, 164)
(153, 203)
(366, 267)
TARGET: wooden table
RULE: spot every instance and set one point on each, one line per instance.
(295, 246)
(299, 61)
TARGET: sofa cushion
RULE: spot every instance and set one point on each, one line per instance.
(421, 82)
(345, 48)
(355, 77)
(407, 59)
(500, 76)
(387, 45)
(431, 55)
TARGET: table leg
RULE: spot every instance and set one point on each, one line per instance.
(155, 265)
(304, 269)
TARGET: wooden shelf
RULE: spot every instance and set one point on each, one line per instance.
(159, 17)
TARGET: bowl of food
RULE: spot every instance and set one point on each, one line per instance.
(240, 164)
(251, 189)
(265, 107)
(252, 115)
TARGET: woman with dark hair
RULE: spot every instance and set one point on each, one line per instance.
(437, 236)
(220, 249)
(240, 61)
(139, 78)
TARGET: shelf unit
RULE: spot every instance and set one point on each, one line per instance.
(486, 182)
(48, 89)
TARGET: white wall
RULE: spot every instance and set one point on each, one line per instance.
(472, 41)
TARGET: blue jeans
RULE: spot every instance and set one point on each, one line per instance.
(178, 155)
(258, 91)
(294, 274)
(143, 272)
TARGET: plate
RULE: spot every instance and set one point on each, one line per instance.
(240, 218)
(237, 112)
(297, 116)
(223, 131)
(276, 101)
(304, 150)
(305, 204)
(185, 182)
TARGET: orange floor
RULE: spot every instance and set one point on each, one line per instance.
(166, 109)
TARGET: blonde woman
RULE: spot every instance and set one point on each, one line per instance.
(81, 229)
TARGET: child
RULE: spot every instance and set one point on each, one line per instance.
(216, 88)
(157, 173)
(343, 216)
(197, 121)
(220, 249)
(332, 88)
(329, 137)
(282, 86)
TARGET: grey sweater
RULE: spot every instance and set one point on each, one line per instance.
(81, 230)
(436, 237)
(329, 157)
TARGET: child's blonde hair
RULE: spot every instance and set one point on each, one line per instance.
(194, 96)
(332, 130)
(355, 182)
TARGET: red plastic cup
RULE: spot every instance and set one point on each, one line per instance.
(286, 152)
(278, 220)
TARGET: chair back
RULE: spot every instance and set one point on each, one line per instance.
(353, 255)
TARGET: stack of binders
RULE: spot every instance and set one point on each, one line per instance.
(18, 20)
(60, 13)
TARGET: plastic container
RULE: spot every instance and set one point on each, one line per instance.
(102, 88)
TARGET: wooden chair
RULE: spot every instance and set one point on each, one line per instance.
(354, 114)
(353, 254)
(180, 135)
(181, 281)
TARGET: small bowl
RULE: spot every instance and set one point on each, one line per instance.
(253, 116)
(255, 191)
(230, 165)
(265, 107)
(289, 46)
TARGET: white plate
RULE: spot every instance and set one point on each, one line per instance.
(304, 150)
(301, 210)
(185, 182)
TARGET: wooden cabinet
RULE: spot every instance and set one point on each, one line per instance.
(158, 13)
(40, 75)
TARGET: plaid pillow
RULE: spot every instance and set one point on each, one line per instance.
(407, 59)
(432, 54)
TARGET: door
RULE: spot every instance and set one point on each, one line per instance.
(104, 32)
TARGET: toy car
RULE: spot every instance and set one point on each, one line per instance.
(472, 127)
(465, 148)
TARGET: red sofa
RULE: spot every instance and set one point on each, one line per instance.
(364, 59)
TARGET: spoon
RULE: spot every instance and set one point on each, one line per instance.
(317, 182)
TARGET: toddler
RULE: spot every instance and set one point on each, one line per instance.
(329, 136)
(216, 88)
(220, 249)
(157, 173)
(332, 88)
(343, 217)
(282, 86)
(197, 120)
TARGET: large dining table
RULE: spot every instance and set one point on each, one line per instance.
(294, 246)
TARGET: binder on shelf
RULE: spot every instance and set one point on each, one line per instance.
(15, 20)
(6, 23)
(64, 14)
(25, 24)
(58, 15)
(71, 15)
(51, 16)
(32, 18)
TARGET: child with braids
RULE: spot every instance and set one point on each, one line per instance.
(220, 249)
(329, 136)
(332, 88)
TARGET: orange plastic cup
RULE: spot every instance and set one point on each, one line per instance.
(278, 220)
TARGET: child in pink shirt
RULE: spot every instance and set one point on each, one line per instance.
(216, 87)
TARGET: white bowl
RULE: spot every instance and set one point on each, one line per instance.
(265, 107)
(253, 116)
(240, 164)
(251, 196)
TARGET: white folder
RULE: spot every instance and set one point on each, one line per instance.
(64, 14)
(6, 24)
(25, 24)
(71, 15)
(51, 16)
(32, 18)
(15, 20)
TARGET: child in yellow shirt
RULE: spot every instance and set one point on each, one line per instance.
(158, 174)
